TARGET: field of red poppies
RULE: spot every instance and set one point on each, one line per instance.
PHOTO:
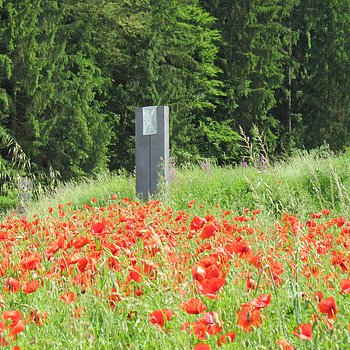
(134, 275)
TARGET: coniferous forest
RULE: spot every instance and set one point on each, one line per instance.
(72, 73)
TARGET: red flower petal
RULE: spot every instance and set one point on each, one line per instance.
(202, 347)
(193, 306)
(158, 317)
(328, 306)
(209, 287)
(262, 301)
(197, 223)
(345, 286)
(226, 338)
(284, 345)
(304, 331)
(68, 297)
(30, 287)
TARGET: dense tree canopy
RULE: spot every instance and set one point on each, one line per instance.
(50, 87)
(72, 73)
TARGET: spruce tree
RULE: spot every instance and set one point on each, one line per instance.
(177, 67)
(324, 80)
(154, 53)
(51, 88)
(254, 57)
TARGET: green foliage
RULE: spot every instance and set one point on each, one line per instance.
(255, 55)
(305, 183)
(325, 100)
(219, 140)
(15, 170)
(50, 86)
(175, 65)
(72, 73)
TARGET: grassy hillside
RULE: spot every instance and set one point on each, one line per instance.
(305, 183)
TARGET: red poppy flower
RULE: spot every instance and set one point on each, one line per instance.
(328, 306)
(208, 231)
(202, 347)
(193, 306)
(13, 315)
(345, 287)
(262, 301)
(243, 250)
(256, 261)
(209, 287)
(197, 223)
(3, 341)
(136, 273)
(78, 242)
(17, 325)
(30, 287)
(318, 296)
(12, 285)
(82, 264)
(341, 221)
(200, 330)
(98, 228)
(284, 345)
(190, 204)
(18, 328)
(114, 298)
(31, 262)
(158, 317)
(198, 273)
(209, 324)
(250, 284)
(304, 331)
(37, 317)
(249, 317)
(212, 322)
(78, 312)
(54, 247)
(68, 297)
(226, 338)
(150, 270)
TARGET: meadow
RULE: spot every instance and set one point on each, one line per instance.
(225, 258)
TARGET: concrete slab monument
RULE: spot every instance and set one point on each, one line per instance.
(152, 149)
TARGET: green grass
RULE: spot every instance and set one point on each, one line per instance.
(305, 183)
(80, 192)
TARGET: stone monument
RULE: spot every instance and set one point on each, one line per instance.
(152, 149)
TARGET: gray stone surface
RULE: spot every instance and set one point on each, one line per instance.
(152, 149)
